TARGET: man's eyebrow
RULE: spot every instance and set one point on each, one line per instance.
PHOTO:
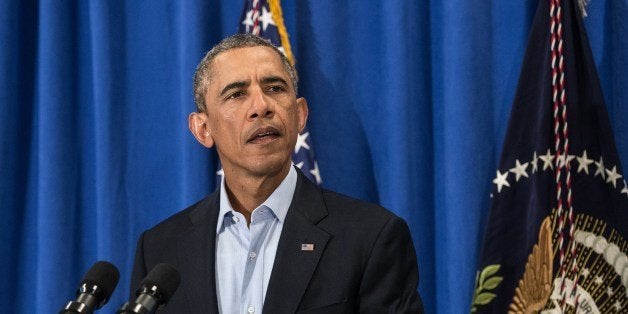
(273, 79)
(238, 84)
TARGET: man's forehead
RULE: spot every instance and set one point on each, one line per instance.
(247, 59)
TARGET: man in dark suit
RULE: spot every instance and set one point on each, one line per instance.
(268, 240)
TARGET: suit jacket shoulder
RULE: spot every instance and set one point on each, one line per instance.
(186, 218)
(348, 210)
(185, 240)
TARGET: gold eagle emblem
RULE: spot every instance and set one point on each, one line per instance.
(535, 287)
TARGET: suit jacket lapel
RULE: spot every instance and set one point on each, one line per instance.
(293, 267)
(197, 257)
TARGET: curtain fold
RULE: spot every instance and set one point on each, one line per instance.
(409, 103)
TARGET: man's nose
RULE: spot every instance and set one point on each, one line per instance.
(261, 106)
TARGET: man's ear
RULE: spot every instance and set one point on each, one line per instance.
(197, 122)
(302, 113)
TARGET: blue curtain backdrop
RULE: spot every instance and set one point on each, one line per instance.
(409, 102)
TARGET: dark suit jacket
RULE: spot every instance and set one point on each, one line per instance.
(363, 258)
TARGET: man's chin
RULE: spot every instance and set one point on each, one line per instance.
(270, 166)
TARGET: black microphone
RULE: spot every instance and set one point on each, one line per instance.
(95, 289)
(155, 291)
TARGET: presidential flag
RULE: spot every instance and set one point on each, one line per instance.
(265, 19)
(556, 236)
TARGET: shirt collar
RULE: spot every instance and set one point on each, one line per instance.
(278, 202)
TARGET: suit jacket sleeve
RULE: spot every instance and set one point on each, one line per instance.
(391, 276)
(139, 268)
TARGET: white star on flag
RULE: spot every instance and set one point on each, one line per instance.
(569, 159)
(600, 168)
(266, 19)
(301, 142)
(613, 176)
(560, 161)
(248, 21)
(316, 173)
(534, 162)
(519, 170)
(625, 189)
(598, 280)
(584, 162)
(617, 305)
(547, 160)
(500, 180)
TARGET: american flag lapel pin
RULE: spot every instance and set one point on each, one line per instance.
(307, 247)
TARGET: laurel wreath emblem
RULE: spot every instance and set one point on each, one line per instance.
(486, 281)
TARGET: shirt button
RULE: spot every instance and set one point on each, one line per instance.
(251, 309)
(236, 219)
(252, 255)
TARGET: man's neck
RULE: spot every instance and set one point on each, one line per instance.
(247, 192)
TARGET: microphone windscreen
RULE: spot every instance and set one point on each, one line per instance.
(165, 277)
(103, 274)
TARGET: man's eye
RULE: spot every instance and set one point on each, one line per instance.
(236, 95)
(276, 88)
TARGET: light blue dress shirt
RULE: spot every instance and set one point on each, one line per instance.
(245, 256)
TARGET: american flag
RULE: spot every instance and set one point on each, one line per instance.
(555, 240)
(265, 19)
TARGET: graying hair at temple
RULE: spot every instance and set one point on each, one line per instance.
(202, 75)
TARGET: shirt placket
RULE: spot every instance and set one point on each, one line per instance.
(253, 284)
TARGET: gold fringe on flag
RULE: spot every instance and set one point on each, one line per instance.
(275, 9)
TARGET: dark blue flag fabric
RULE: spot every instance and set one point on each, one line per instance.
(265, 19)
(556, 236)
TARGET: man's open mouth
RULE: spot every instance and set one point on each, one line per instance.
(263, 135)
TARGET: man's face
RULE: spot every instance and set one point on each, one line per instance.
(253, 116)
